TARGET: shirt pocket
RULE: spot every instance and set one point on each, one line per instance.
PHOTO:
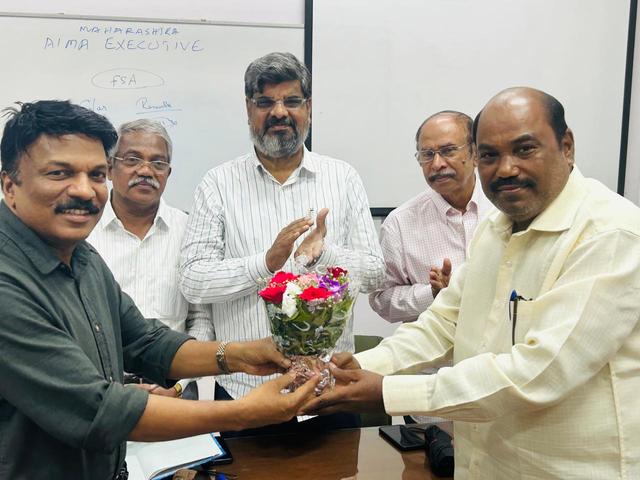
(523, 319)
(168, 301)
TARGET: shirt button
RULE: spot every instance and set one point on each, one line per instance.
(97, 327)
(508, 264)
(110, 378)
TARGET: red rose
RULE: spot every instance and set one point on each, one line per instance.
(273, 294)
(314, 293)
(282, 277)
(337, 271)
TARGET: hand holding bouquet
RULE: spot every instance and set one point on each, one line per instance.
(308, 313)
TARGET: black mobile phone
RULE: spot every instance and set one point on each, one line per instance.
(403, 437)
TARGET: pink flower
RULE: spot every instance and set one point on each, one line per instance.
(307, 280)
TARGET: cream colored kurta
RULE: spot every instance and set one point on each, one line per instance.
(564, 401)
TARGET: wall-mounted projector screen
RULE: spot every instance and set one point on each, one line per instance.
(381, 67)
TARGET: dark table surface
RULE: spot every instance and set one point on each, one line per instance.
(341, 454)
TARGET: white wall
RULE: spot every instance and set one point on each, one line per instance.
(292, 12)
(366, 321)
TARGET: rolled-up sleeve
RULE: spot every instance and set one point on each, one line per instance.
(148, 346)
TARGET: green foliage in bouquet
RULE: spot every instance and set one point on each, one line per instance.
(308, 312)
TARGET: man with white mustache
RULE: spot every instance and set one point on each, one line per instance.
(426, 237)
(139, 238)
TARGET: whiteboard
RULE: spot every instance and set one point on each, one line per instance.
(189, 77)
(253, 11)
(381, 67)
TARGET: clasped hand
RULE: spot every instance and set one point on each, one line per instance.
(259, 357)
(356, 390)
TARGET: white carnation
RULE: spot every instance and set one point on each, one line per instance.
(289, 306)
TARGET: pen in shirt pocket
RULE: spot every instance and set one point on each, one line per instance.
(514, 299)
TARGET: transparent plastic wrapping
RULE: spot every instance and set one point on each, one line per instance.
(308, 313)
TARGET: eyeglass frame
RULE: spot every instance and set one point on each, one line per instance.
(254, 100)
(438, 151)
(142, 162)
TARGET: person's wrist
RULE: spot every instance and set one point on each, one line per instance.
(270, 262)
(233, 353)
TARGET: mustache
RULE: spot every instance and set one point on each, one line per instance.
(78, 205)
(436, 176)
(150, 180)
(274, 121)
(511, 182)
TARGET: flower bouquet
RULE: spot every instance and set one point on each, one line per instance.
(308, 313)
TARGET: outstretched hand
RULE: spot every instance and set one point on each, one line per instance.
(439, 277)
(313, 245)
(267, 404)
(355, 391)
(259, 357)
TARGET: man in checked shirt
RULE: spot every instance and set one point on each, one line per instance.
(427, 236)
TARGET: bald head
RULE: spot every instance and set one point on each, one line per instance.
(462, 119)
(515, 95)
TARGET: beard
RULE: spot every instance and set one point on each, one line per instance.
(279, 144)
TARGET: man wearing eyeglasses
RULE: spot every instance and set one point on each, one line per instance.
(251, 216)
(423, 239)
(139, 237)
(426, 237)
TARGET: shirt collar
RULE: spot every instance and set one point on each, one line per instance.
(308, 163)
(559, 215)
(39, 253)
(444, 207)
(162, 215)
(109, 217)
(477, 197)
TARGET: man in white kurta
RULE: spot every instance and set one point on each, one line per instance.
(550, 391)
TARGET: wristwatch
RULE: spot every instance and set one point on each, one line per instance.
(221, 359)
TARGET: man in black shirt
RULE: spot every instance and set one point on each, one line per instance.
(67, 331)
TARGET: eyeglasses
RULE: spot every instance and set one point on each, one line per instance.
(425, 157)
(131, 161)
(267, 103)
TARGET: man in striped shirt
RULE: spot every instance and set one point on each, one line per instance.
(250, 216)
(139, 237)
